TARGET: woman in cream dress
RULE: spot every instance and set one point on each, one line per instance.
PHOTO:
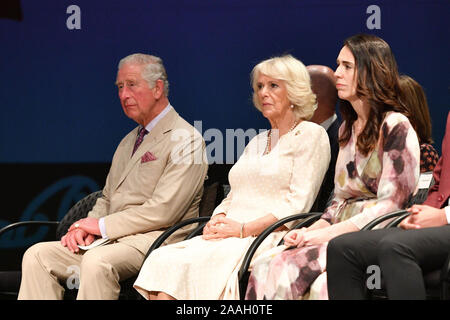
(279, 174)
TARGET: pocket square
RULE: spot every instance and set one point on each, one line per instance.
(148, 156)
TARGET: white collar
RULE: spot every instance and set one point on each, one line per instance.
(327, 123)
(161, 115)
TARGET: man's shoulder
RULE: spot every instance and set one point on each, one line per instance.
(333, 129)
(130, 135)
(182, 124)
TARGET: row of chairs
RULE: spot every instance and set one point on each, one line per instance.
(437, 282)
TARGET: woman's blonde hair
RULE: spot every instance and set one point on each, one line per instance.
(296, 78)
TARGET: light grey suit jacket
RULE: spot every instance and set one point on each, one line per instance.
(143, 197)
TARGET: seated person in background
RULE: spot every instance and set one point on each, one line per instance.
(149, 188)
(324, 86)
(405, 254)
(278, 174)
(415, 101)
(377, 171)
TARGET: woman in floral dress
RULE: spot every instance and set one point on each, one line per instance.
(377, 171)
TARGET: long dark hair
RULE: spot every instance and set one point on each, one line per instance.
(414, 98)
(377, 84)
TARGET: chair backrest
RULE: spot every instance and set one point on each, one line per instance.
(426, 181)
(323, 197)
(213, 188)
(77, 212)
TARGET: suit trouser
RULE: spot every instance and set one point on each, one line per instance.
(403, 256)
(45, 265)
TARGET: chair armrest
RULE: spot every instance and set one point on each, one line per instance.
(196, 231)
(261, 237)
(396, 221)
(305, 223)
(385, 217)
(166, 234)
(16, 225)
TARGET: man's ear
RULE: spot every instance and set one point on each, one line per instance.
(158, 89)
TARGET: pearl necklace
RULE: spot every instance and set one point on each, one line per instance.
(269, 138)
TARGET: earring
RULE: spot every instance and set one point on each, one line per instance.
(292, 106)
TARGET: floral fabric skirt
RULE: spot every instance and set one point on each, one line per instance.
(289, 274)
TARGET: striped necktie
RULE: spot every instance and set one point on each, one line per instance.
(139, 139)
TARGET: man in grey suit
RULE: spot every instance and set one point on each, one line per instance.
(155, 180)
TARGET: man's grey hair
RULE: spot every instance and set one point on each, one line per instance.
(152, 70)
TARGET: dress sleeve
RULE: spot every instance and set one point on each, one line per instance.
(311, 158)
(399, 173)
(224, 205)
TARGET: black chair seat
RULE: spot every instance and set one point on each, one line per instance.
(9, 282)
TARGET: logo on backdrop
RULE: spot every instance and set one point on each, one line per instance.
(74, 187)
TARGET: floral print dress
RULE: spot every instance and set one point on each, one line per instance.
(366, 187)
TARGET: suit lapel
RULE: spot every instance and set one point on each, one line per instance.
(156, 135)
